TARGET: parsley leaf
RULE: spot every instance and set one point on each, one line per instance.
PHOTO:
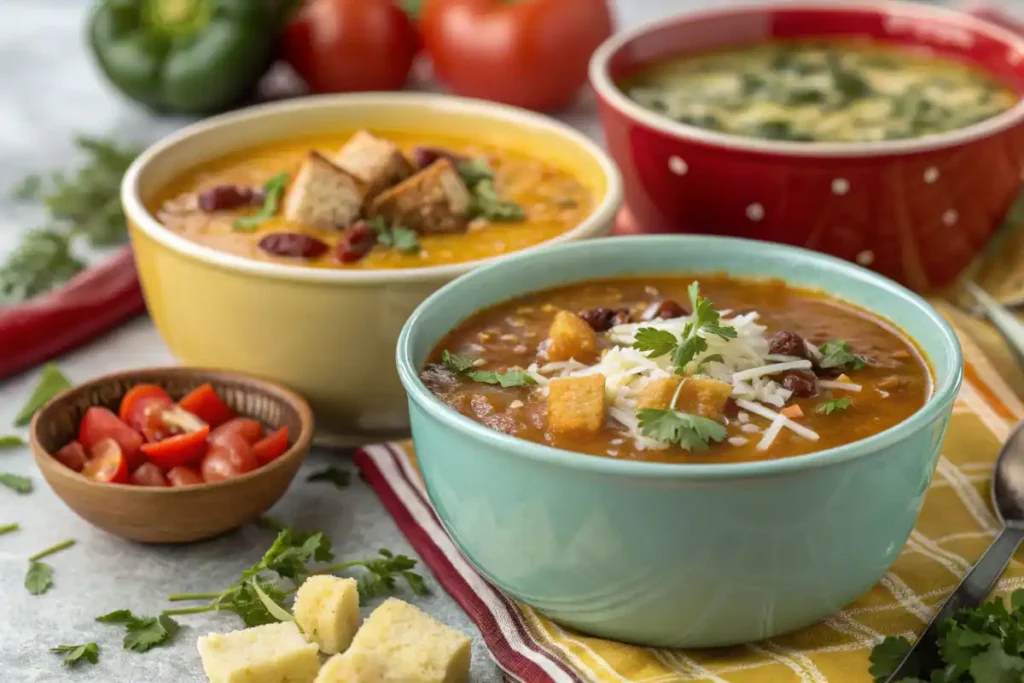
(710, 358)
(142, 633)
(398, 237)
(837, 354)
(655, 342)
(456, 363)
(11, 441)
(273, 608)
(15, 482)
(704, 322)
(488, 205)
(339, 478)
(39, 578)
(273, 192)
(51, 382)
(887, 656)
(76, 654)
(689, 432)
(833, 405)
(472, 171)
(509, 378)
(383, 573)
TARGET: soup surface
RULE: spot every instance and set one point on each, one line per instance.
(816, 92)
(387, 200)
(624, 368)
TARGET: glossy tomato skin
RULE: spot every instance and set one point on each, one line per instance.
(108, 463)
(351, 45)
(223, 462)
(183, 476)
(72, 456)
(178, 450)
(99, 423)
(205, 404)
(271, 446)
(249, 429)
(531, 53)
(148, 474)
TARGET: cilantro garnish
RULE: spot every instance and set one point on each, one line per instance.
(689, 432)
(833, 405)
(273, 191)
(837, 354)
(38, 578)
(143, 633)
(75, 654)
(398, 237)
(456, 363)
(704, 322)
(479, 178)
(463, 365)
(15, 482)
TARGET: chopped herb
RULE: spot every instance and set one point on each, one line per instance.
(53, 549)
(8, 528)
(710, 358)
(774, 130)
(833, 405)
(473, 171)
(463, 365)
(143, 633)
(40, 263)
(751, 83)
(486, 204)
(51, 382)
(11, 441)
(383, 573)
(38, 578)
(704, 320)
(273, 191)
(16, 482)
(689, 432)
(887, 656)
(273, 608)
(398, 237)
(76, 654)
(456, 363)
(339, 478)
(837, 354)
(655, 342)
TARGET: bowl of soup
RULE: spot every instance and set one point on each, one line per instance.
(679, 441)
(292, 240)
(888, 134)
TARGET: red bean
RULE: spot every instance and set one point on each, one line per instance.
(425, 156)
(225, 197)
(802, 383)
(668, 309)
(294, 244)
(787, 343)
(356, 243)
(601, 319)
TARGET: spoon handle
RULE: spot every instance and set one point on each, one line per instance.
(973, 589)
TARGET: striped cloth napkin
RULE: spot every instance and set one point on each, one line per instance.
(955, 527)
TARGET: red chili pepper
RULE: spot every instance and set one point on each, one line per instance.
(89, 304)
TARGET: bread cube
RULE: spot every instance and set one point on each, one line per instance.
(352, 667)
(323, 195)
(704, 396)
(576, 404)
(410, 646)
(274, 653)
(571, 337)
(658, 393)
(379, 163)
(435, 200)
(327, 611)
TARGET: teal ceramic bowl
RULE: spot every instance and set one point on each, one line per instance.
(677, 555)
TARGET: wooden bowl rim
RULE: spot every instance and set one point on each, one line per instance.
(48, 464)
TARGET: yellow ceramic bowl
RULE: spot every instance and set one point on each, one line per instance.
(329, 334)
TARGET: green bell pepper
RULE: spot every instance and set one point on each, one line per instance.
(185, 56)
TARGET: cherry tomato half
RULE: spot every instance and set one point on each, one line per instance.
(135, 403)
(184, 476)
(181, 449)
(72, 456)
(148, 474)
(108, 463)
(99, 424)
(205, 404)
(249, 429)
(271, 446)
(222, 462)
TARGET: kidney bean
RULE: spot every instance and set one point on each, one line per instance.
(356, 242)
(294, 244)
(602, 319)
(225, 197)
(803, 383)
(787, 343)
(425, 156)
(668, 309)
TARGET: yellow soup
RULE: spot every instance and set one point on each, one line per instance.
(549, 202)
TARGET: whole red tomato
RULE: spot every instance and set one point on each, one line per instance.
(530, 53)
(351, 45)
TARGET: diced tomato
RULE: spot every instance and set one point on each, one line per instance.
(148, 474)
(222, 463)
(72, 456)
(108, 462)
(184, 476)
(99, 424)
(134, 403)
(205, 404)
(249, 429)
(271, 446)
(181, 449)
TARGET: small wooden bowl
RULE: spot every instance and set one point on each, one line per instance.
(173, 515)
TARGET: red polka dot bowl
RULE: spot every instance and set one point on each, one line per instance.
(916, 210)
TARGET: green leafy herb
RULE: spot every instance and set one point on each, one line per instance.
(837, 354)
(273, 192)
(11, 441)
(40, 263)
(273, 608)
(339, 478)
(705, 321)
(76, 654)
(463, 365)
(710, 358)
(8, 528)
(488, 205)
(655, 342)
(38, 578)
(53, 549)
(689, 432)
(457, 364)
(397, 237)
(15, 482)
(383, 573)
(142, 633)
(51, 382)
(887, 656)
(473, 171)
(833, 405)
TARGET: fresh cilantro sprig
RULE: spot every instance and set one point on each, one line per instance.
(395, 236)
(833, 405)
(142, 633)
(837, 354)
(273, 191)
(704, 322)
(76, 654)
(689, 432)
(383, 573)
(39, 577)
(463, 365)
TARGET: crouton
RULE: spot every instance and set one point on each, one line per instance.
(323, 195)
(576, 404)
(435, 200)
(379, 163)
(704, 396)
(571, 337)
(658, 393)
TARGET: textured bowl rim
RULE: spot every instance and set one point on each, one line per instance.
(943, 394)
(299, 449)
(614, 97)
(603, 214)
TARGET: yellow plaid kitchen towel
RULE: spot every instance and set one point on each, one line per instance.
(955, 527)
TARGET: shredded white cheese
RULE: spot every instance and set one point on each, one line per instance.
(772, 369)
(845, 386)
(771, 433)
(772, 415)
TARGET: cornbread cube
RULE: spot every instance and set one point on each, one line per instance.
(327, 611)
(377, 162)
(274, 653)
(570, 337)
(323, 195)
(352, 667)
(704, 396)
(435, 200)
(410, 646)
(576, 404)
(658, 393)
